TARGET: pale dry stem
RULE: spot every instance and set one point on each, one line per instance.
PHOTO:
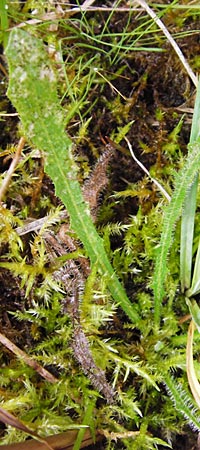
(12, 168)
(29, 361)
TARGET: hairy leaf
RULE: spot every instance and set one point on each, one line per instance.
(183, 181)
(32, 90)
(182, 402)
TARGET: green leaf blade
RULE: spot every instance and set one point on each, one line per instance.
(183, 181)
(32, 90)
(187, 233)
(188, 215)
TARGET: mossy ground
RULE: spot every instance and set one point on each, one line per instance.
(117, 77)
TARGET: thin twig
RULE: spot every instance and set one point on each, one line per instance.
(29, 361)
(11, 169)
(9, 114)
(2, 68)
(110, 84)
(160, 187)
(117, 435)
(36, 225)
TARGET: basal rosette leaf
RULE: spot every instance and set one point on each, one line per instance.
(33, 91)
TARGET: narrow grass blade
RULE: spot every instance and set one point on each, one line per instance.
(187, 233)
(183, 181)
(195, 130)
(4, 21)
(33, 91)
(195, 288)
(87, 421)
(188, 215)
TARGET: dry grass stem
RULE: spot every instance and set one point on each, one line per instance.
(61, 441)
(192, 379)
(29, 361)
(161, 189)
(9, 419)
(11, 169)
